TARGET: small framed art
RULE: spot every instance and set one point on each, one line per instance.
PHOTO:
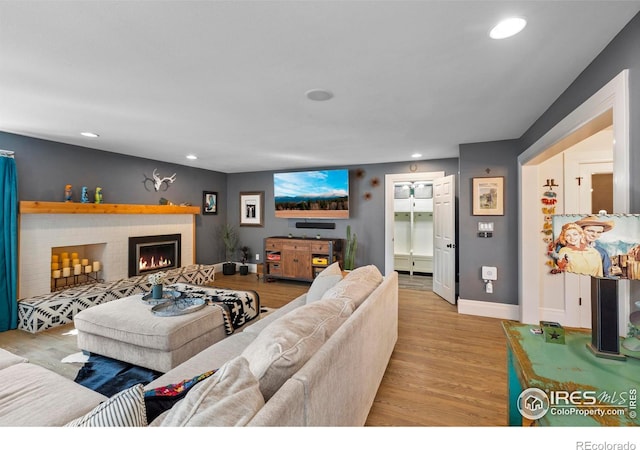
(488, 196)
(209, 202)
(252, 209)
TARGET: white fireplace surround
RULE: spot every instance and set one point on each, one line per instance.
(39, 233)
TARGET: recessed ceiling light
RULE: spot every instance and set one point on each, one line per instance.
(416, 155)
(89, 134)
(319, 95)
(192, 157)
(508, 28)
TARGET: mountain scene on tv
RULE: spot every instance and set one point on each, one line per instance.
(322, 190)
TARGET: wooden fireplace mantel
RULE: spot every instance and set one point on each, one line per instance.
(36, 207)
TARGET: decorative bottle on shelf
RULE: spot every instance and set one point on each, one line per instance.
(68, 193)
(98, 197)
(84, 198)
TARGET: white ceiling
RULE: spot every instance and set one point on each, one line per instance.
(225, 80)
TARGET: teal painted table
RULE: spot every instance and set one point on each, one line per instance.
(582, 390)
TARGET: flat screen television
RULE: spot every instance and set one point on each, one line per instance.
(316, 194)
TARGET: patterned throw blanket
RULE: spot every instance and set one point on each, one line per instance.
(238, 307)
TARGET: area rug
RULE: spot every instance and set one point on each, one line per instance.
(110, 376)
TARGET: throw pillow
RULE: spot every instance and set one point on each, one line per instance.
(160, 399)
(357, 285)
(323, 281)
(231, 397)
(285, 345)
(125, 409)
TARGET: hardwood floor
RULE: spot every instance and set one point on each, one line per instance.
(447, 369)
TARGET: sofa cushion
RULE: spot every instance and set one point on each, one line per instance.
(357, 285)
(162, 398)
(230, 397)
(324, 281)
(284, 346)
(125, 409)
(8, 359)
(31, 395)
(210, 358)
(257, 327)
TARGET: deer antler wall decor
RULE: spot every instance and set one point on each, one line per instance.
(157, 183)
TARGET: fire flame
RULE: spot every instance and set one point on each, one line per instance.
(152, 264)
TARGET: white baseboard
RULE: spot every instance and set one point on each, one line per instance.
(488, 309)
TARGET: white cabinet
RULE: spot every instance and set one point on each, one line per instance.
(413, 227)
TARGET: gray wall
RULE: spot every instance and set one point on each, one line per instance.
(501, 250)
(366, 216)
(622, 53)
(44, 167)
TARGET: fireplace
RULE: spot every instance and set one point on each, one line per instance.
(148, 254)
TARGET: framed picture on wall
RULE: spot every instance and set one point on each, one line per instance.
(209, 202)
(488, 196)
(252, 209)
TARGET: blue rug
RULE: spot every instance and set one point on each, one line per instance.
(110, 376)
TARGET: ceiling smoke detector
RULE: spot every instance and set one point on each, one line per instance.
(319, 95)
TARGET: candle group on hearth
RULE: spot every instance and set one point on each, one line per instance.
(66, 264)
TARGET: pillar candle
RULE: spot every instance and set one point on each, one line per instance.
(56, 274)
(65, 255)
(77, 269)
(55, 266)
(55, 258)
(66, 262)
(87, 269)
(96, 266)
(75, 261)
(85, 262)
(74, 255)
(66, 271)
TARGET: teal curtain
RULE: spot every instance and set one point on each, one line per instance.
(8, 244)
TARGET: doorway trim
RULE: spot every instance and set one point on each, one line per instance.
(389, 180)
(613, 99)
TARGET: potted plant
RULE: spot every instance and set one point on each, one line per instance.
(229, 237)
(244, 269)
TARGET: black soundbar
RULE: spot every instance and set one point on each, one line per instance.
(319, 225)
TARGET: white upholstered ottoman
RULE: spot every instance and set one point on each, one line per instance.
(127, 330)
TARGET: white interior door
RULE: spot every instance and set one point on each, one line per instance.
(577, 289)
(444, 238)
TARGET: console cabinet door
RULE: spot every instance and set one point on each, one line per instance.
(296, 261)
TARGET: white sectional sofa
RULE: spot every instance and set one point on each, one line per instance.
(318, 361)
